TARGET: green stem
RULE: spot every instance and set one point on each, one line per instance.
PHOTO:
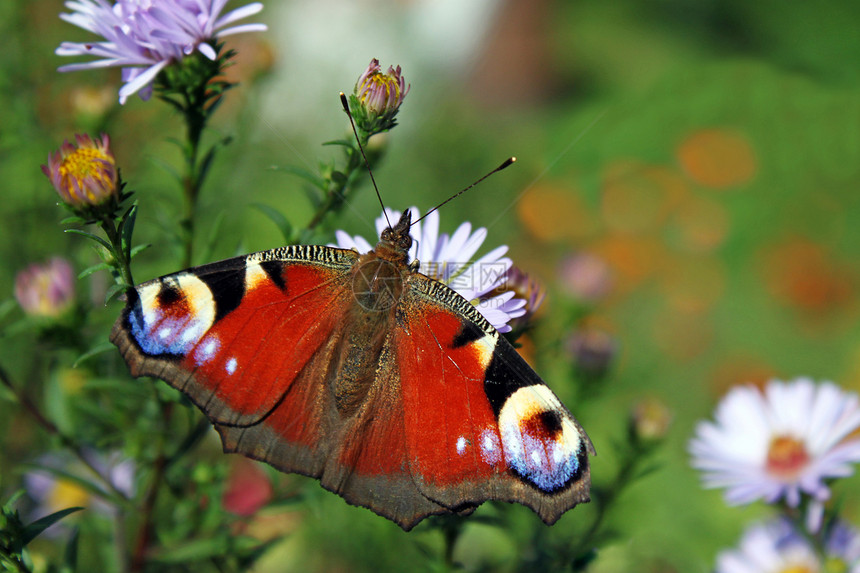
(338, 190)
(123, 265)
(195, 122)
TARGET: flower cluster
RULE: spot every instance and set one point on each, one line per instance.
(782, 445)
(144, 36)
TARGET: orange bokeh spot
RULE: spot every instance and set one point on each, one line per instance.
(786, 457)
(682, 336)
(553, 212)
(804, 275)
(637, 197)
(739, 370)
(632, 259)
(702, 224)
(693, 284)
(717, 158)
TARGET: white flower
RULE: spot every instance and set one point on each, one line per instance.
(779, 444)
(144, 36)
(772, 547)
(777, 547)
(448, 259)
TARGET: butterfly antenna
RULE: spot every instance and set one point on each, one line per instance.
(505, 164)
(345, 104)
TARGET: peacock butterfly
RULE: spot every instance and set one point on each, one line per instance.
(356, 369)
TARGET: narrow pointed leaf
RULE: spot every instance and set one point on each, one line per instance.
(32, 530)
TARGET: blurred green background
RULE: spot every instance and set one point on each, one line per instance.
(706, 152)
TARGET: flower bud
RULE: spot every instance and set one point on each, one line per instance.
(650, 420)
(84, 174)
(377, 98)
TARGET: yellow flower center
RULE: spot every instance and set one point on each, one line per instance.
(387, 84)
(82, 163)
(786, 458)
(798, 569)
(67, 494)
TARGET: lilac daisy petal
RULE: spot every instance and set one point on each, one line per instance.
(151, 34)
(780, 444)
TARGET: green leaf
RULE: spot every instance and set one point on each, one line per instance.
(277, 218)
(344, 142)
(99, 267)
(95, 351)
(339, 178)
(115, 290)
(95, 238)
(126, 228)
(214, 235)
(70, 555)
(33, 530)
(194, 551)
(138, 249)
(305, 174)
(73, 220)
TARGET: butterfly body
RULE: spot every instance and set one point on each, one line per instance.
(357, 370)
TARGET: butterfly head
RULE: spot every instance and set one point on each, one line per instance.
(396, 240)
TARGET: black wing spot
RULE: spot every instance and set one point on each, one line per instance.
(227, 288)
(275, 272)
(468, 334)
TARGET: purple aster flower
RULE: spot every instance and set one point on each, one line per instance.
(448, 259)
(843, 548)
(782, 443)
(145, 36)
(772, 547)
(46, 290)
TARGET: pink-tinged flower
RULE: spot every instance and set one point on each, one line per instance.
(772, 547)
(145, 36)
(592, 350)
(448, 259)
(248, 488)
(377, 98)
(84, 174)
(586, 276)
(381, 92)
(782, 443)
(46, 290)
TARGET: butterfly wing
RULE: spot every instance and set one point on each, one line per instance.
(426, 412)
(258, 344)
(480, 423)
